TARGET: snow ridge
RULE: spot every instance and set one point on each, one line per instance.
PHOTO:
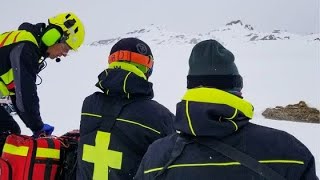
(234, 30)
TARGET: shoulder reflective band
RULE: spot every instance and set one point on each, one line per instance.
(5, 39)
(131, 57)
(11, 37)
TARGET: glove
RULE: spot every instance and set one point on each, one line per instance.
(46, 130)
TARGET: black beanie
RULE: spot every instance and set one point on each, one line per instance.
(137, 46)
(133, 45)
(212, 65)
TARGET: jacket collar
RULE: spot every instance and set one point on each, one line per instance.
(211, 112)
(125, 81)
(37, 30)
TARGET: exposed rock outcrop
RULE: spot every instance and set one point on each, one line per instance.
(294, 112)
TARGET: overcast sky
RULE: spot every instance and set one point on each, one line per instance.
(108, 18)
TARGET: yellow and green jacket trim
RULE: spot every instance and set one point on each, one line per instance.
(226, 106)
(8, 38)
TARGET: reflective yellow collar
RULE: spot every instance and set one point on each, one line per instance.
(216, 96)
(128, 67)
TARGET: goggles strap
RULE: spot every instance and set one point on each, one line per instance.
(131, 57)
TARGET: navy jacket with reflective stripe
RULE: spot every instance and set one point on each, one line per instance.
(277, 149)
(139, 124)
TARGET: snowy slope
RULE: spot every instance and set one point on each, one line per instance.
(275, 72)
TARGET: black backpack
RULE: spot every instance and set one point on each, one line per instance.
(68, 155)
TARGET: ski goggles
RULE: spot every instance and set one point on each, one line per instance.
(129, 56)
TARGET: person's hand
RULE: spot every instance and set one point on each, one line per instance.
(46, 130)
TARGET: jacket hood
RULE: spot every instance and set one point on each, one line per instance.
(37, 31)
(211, 112)
(126, 84)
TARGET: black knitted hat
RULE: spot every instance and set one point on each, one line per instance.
(133, 45)
(136, 46)
(212, 65)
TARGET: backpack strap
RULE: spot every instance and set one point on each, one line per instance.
(224, 149)
(112, 108)
(244, 159)
(178, 147)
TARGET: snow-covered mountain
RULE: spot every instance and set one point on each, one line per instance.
(232, 31)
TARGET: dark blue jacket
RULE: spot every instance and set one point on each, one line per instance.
(225, 119)
(24, 58)
(138, 125)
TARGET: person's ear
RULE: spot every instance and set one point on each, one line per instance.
(51, 36)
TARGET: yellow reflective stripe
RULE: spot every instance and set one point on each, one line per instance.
(153, 170)
(100, 85)
(15, 150)
(124, 85)
(3, 90)
(124, 120)
(128, 67)
(189, 119)
(282, 161)
(7, 77)
(234, 124)
(144, 126)
(27, 36)
(48, 153)
(125, 82)
(17, 36)
(216, 96)
(223, 164)
(194, 165)
(234, 115)
(4, 37)
(90, 114)
(8, 38)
